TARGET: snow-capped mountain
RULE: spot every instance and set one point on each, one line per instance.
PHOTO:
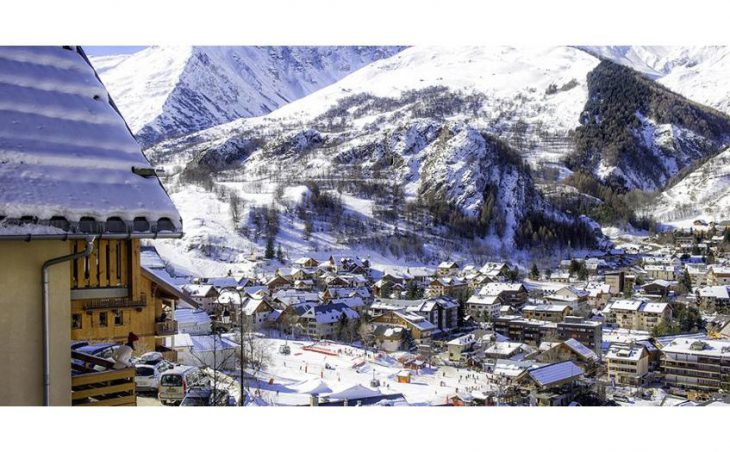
(171, 91)
(450, 129)
(698, 73)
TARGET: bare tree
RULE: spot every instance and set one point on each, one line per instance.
(217, 360)
(253, 356)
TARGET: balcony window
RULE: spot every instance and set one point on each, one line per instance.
(76, 321)
(118, 318)
(103, 319)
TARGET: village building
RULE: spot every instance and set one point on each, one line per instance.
(495, 271)
(658, 288)
(194, 322)
(443, 312)
(318, 321)
(513, 294)
(599, 294)
(306, 262)
(548, 312)
(627, 364)
(637, 314)
(718, 276)
(665, 272)
(459, 348)
(553, 384)
(447, 269)
(569, 350)
(418, 327)
(278, 282)
(714, 298)
(446, 287)
(205, 295)
(587, 332)
(702, 365)
(481, 307)
(616, 281)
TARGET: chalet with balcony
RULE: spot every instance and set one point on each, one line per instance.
(76, 196)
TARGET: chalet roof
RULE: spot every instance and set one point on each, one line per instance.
(84, 174)
(545, 308)
(191, 316)
(199, 290)
(484, 300)
(581, 349)
(497, 288)
(556, 373)
(714, 292)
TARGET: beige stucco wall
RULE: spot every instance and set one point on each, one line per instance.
(21, 330)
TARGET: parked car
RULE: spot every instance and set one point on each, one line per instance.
(151, 358)
(205, 396)
(174, 383)
(147, 376)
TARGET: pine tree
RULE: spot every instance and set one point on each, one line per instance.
(686, 281)
(534, 272)
(269, 253)
(279, 254)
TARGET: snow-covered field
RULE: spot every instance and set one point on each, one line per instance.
(290, 379)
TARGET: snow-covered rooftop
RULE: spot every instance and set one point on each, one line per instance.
(67, 156)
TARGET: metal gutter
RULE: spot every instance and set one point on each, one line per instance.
(46, 309)
(81, 236)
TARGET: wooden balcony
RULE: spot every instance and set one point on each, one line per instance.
(166, 328)
(96, 383)
(115, 303)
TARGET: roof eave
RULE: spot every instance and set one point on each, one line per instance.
(79, 235)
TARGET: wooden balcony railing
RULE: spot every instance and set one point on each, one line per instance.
(115, 303)
(166, 328)
(96, 383)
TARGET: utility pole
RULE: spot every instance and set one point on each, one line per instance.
(240, 339)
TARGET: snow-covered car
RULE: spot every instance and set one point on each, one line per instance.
(147, 376)
(204, 396)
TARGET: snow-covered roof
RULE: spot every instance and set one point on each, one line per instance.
(625, 352)
(484, 300)
(714, 292)
(331, 313)
(211, 343)
(67, 156)
(556, 373)
(625, 305)
(720, 270)
(704, 347)
(581, 349)
(463, 340)
(199, 290)
(654, 308)
(180, 340)
(314, 386)
(504, 348)
(545, 307)
(353, 393)
(497, 288)
(191, 316)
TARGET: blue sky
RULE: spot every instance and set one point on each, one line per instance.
(111, 50)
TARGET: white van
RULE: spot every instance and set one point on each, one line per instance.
(174, 383)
